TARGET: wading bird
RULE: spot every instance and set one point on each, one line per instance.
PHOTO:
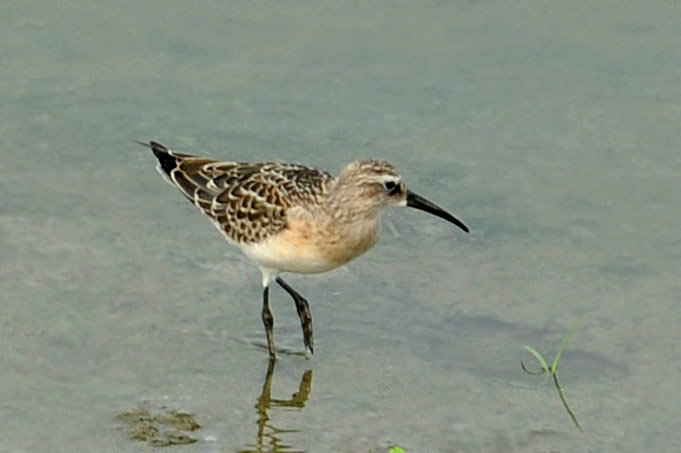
(290, 217)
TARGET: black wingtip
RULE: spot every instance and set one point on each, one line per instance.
(167, 161)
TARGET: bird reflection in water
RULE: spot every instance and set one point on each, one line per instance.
(269, 440)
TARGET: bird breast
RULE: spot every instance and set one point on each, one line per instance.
(310, 245)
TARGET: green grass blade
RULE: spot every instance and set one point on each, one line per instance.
(565, 404)
(563, 345)
(538, 356)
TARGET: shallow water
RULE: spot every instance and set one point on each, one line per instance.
(551, 129)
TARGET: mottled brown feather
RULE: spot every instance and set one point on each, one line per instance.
(247, 201)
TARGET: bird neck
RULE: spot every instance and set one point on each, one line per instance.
(345, 205)
(351, 228)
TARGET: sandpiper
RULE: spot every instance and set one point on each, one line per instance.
(290, 217)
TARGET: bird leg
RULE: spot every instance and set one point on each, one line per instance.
(303, 313)
(268, 321)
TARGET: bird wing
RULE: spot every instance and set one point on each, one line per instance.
(246, 201)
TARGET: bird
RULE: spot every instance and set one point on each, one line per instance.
(292, 218)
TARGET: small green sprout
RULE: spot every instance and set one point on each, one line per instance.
(553, 370)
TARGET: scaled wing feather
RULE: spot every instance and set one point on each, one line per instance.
(247, 202)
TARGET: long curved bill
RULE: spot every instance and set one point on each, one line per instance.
(417, 201)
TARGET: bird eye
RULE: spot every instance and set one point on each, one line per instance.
(392, 187)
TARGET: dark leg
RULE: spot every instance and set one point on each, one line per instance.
(268, 320)
(303, 313)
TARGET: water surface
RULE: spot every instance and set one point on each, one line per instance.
(552, 130)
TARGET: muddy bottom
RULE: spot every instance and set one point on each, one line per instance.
(164, 428)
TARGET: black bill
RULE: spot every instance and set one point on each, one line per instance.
(418, 202)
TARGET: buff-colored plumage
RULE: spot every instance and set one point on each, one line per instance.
(287, 217)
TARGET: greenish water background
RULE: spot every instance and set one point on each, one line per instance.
(552, 129)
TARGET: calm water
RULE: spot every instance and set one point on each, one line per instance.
(551, 129)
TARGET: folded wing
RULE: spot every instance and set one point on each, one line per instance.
(247, 202)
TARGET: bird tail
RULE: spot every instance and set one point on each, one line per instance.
(167, 161)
